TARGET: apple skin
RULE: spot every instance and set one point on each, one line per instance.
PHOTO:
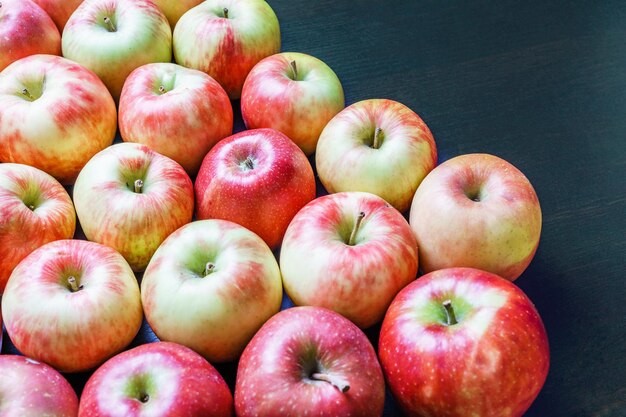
(71, 118)
(184, 121)
(226, 48)
(498, 233)
(174, 9)
(262, 199)
(59, 10)
(133, 223)
(72, 331)
(32, 389)
(298, 105)
(142, 35)
(347, 160)
(159, 379)
(493, 362)
(22, 229)
(26, 29)
(274, 373)
(358, 281)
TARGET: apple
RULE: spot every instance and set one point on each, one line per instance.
(226, 38)
(26, 29)
(476, 211)
(210, 286)
(257, 178)
(32, 389)
(309, 361)
(462, 342)
(349, 252)
(34, 210)
(55, 115)
(59, 10)
(179, 112)
(113, 37)
(72, 304)
(158, 380)
(294, 93)
(377, 146)
(131, 198)
(174, 9)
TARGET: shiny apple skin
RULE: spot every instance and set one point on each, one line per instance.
(59, 10)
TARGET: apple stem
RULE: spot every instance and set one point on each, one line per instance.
(110, 26)
(31, 207)
(377, 133)
(339, 383)
(356, 228)
(225, 13)
(294, 68)
(450, 316)
(249, 163)
(138, 186)
(161, 89)
(74, 287)
(27, 93)
(209, 267)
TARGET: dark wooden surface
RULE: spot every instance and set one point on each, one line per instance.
(542, 85)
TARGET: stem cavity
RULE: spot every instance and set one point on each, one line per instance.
(377, 138)
(247, 164)
(74, 287)
(161, 89)
(294, 70)
(450, 316)
(138, 186)
(28, 94)
(110, 26)
(355, 229)
(339, 383)
(209, 268)
(225, 13)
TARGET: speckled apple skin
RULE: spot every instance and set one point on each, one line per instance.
(271, 381)
(492, 363)
(178, 381)
(500, 233)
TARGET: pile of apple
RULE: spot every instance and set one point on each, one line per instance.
(199, 211)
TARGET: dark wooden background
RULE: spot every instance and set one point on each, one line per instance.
(541, 84)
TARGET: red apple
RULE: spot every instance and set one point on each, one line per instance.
(72, 304)
(226, 38)
(463, 342)
(156, 380)
(32, 389)
(309, 361)
(179, 112)
(377, 146)
(26, 29)
(257, 178)
(55, 115)
(349, 252)
(59, 10)
(131, 198)
(294, 93)
(476, 211)
(34, 210)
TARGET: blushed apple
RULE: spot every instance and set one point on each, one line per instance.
(296, 94)
(34, 210)
(131, 198)
(179, 112)
(377, 146)
(72, 304)
(59, 10)
(309, 361)
(174, 9)
(476, 211)
(257, 178)
(462, 342)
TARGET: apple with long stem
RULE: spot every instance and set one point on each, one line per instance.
(294, 93)
(179, 112)
(131, 198)
(377, 146)
(210, 286)
(34, 210)
(72, 304)
(32, 389)
(309, 361)
(56, 115)
(159, 379)
(462, 342)
(476, 211)
(26, 29)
